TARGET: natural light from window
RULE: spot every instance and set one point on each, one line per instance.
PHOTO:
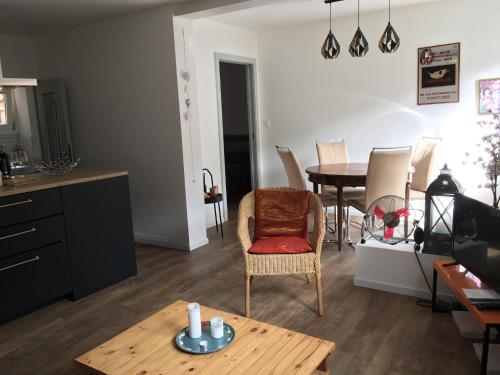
(3, 109)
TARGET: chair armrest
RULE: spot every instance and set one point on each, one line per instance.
(245, 212)
(316, 208)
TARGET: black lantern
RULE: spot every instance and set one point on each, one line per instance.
(439, 203)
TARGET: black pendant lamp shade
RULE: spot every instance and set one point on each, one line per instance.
(331, 46)
(359, 45)
(389, 41)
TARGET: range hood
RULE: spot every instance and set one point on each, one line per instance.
(16, 82)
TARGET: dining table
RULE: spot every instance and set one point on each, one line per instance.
(339, 175)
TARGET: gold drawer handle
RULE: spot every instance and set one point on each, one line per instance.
(18, 234)
(17, 203)
(20, 263)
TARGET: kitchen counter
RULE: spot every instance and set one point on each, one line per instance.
(42, 181)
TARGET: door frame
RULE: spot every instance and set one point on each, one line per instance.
(252, 102)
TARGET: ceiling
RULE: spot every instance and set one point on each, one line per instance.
(292, 12)
(39, 16)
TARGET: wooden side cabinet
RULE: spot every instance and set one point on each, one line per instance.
(100, 241)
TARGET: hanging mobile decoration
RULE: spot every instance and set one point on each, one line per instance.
(331, 47)
(389, 41)
(359, 45)
(186, 77)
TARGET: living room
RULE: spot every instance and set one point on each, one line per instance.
(144, 116)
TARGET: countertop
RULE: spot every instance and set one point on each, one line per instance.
(42, 181)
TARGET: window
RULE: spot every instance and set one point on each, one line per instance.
(6, 120)
(3, 109)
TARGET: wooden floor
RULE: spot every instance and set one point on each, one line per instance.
(375, 332)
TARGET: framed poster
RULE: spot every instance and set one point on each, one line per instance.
(488, 96)
(439, 74)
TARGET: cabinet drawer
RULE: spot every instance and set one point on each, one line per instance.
(19, 208)
(33, 278)
(19, 238)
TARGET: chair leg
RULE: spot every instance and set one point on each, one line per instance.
(320, 294)
(347, 235)
(308, 278)
(247, 295)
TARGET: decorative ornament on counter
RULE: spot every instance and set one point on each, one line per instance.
(56, 168)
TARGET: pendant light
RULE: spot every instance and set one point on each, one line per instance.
(359, 45)
(389, 41)
(331, 47)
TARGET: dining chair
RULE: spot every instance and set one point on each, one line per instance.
(331, 152)
(297, 179)
(334, 152)
(274, 255)
(423, 162)
(387, 175)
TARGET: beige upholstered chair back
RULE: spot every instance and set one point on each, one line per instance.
(296, 177)
(387, 173)
(423, 162)
(332, 152)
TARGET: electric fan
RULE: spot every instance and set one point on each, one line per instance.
(391, 220)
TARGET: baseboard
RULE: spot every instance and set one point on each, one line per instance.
(198, 243)
(151, 239)
(392, 288)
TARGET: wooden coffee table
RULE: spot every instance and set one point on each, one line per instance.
(258, 348)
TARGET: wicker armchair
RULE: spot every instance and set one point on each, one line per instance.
(281, 264)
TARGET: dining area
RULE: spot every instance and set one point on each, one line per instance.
(345, 187)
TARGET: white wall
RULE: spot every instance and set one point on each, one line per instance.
(124, 114)
(371, 101)
(210, 38)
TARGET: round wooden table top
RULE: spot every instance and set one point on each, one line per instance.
(340, 169)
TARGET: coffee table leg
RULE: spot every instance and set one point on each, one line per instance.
(325, 365)
(340, 205)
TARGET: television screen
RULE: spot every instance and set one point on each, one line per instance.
(476, 244)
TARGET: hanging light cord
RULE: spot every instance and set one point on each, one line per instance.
(330, 16)
(389, 11)
(358, 13)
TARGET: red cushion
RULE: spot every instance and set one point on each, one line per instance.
(281, 245)
(280, 213)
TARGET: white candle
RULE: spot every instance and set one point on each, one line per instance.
(194, 320)
(217, 327)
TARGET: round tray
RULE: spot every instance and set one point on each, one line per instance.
(190, 345)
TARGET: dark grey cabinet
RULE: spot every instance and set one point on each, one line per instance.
(99, 233)
(68, 241)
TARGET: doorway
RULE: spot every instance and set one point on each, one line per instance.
(237, 113)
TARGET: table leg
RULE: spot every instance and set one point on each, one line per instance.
(434, 289)
(315, 188)
(340, 205)
(220, 220)
(325, 365)
(215, 214)
(486, 345)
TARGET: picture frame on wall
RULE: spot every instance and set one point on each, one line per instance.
(439, 74)
(488, 96)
